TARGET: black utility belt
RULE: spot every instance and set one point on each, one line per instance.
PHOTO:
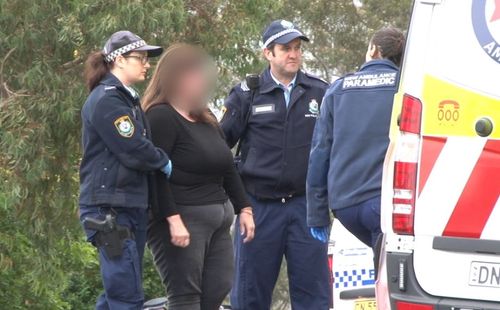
(282, 199)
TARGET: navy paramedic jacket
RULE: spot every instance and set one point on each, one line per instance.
(350, 141)
(117, 152)
(276, 145)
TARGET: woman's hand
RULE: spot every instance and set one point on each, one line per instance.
(178, 231)
(247, 225)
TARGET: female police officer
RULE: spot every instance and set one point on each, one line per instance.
(350, 141)
(117, 156)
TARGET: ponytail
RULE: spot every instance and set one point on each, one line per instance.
(390, 42)
(95, 69)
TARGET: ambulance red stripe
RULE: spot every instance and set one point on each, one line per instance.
(431, 148)
(479, 196)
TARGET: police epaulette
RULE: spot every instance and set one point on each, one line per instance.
(244, 86)
(316, 77)
(106, 88)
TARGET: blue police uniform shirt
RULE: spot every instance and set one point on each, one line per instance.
(275, 148)
(287, 89)
(117, 151)
(350, 141)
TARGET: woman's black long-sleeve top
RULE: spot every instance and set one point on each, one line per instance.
(203, 169)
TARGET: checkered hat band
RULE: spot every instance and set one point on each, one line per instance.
(280, 34)
(124, 49)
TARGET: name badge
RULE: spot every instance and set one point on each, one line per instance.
(263, 109)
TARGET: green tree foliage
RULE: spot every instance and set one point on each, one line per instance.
(340, 31)
(45, 262)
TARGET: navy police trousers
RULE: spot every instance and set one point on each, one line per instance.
(281, 230)
(362, 220)
(121, 276)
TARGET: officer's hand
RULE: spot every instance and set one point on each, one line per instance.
(247, 225)
(320, 233)
(178, 231)
(167, 169)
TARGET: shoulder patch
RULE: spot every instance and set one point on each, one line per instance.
(106, 88)
(312, 76)
(244, 86)
(125, 126)
(223, 111)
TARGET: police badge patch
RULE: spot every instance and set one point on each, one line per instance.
(125, 126)
(223, 112)
(313, 109)
(286, 24)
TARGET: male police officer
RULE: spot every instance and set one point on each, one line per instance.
(276, 137)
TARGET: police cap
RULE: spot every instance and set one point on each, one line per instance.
(281, 31)
(124, 41)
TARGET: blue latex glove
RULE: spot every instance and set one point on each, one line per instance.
(320, 233)
(167, 169)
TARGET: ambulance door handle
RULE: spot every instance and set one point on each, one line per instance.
(358, 293)
(466, 245)
(484, 127)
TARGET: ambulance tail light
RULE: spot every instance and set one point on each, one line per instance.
(406, 167)
(411, 115)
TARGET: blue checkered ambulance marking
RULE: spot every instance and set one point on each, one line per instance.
(354, 278)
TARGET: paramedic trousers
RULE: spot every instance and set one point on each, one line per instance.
(362, 220)
(281, 230)
(121, 276)
(199, 276)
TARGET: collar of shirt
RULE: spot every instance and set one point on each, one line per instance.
(132, 92)
(289, 86)
(287, 89)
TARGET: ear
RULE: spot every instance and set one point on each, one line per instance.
(120, 61)
(268, 54)
(374, 52)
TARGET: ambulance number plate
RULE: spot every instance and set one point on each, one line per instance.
(484, 274)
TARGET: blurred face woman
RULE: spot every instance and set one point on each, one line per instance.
(189, 230)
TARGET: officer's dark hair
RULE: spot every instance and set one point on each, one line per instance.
(96, 69)
(390, 42)
(177, 59)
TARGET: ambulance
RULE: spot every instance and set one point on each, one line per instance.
(441, 184)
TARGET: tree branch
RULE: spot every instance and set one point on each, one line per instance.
(5, 91)
(72, 63)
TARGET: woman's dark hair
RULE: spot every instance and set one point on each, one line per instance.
(95, 69)
(390, 43)
(177, 59)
